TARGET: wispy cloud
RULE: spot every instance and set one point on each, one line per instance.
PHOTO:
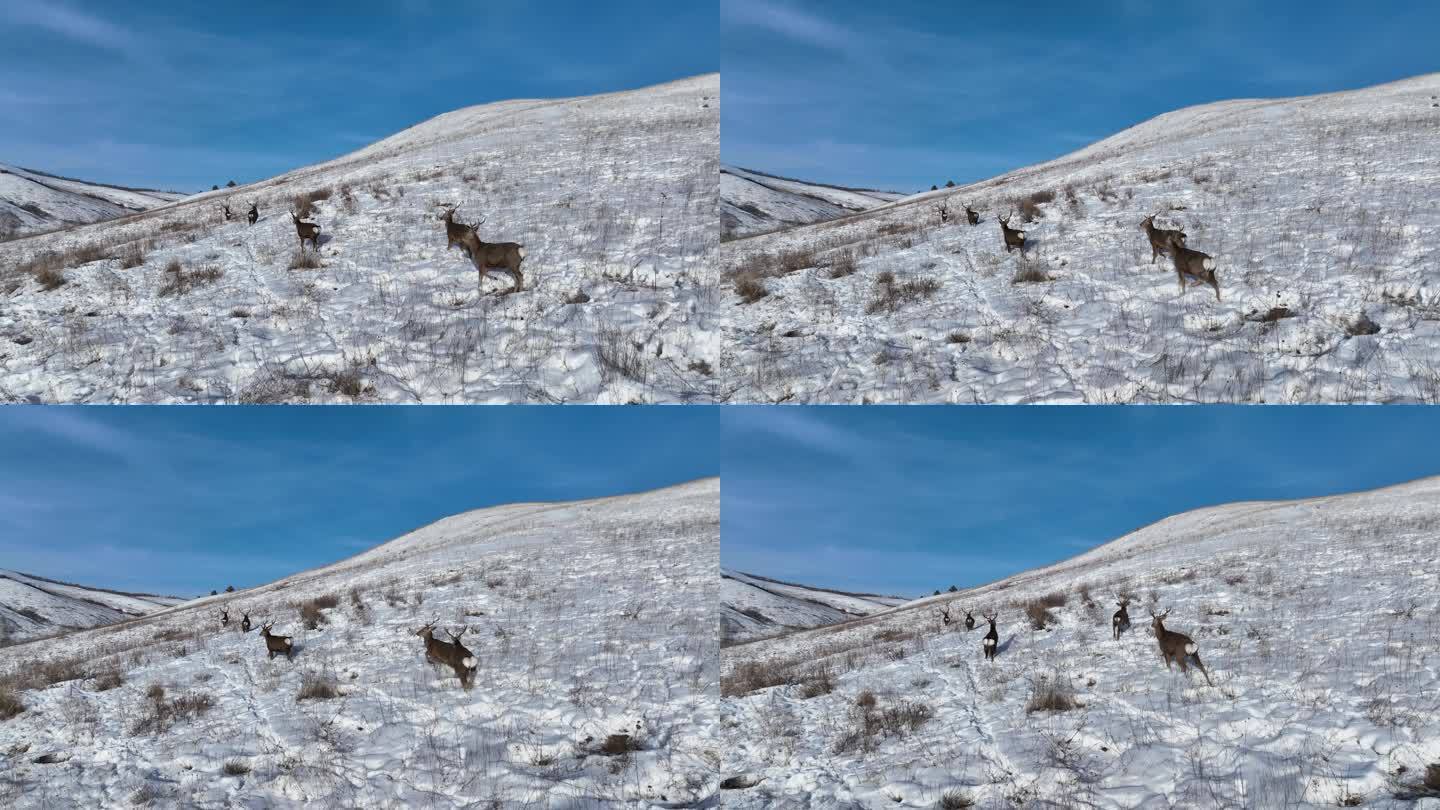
(790, 22)
(71, 23)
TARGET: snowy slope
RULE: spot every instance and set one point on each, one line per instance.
(1318, 621)
(31, 201)
(1322, 214)
(612, 196)
(588, 619)
(753, 202)
(32, 606)
(753, 606)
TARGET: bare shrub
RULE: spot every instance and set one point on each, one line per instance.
(1031, 272)
(842, 265)
(110, 679)
(10, 704)
(311, 614)
(816, 683)
(178, 281)
(956, 799)
(752, 676)
(957, 338)
(315, 686)
(235, 767)
(1051, 693)
(303, 204)
(133, 256)
(160, 714)
(304, 260)
(1039, 614)
(750, 288)
(618, 356)
(889, 296)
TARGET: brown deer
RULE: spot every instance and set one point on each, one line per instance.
(254, 213)
(991, 641)
(1120, 622)
(1160, 238)
(276, 644)
(306, 230)
(969, 622)
(486, 256)
(972, 216)
(945, 615)
(455, 231)
(225, 208)
(224, 617)
(943, 209)
(1013, 238)
(1193, 264)
(1176, 646)
(450, 653)
(245, 623)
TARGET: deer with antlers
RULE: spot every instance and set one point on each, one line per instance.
(254, 213)
(1013, 239)
(274, 644)
(306, 230)
(1176, 646)
(1193, 264)
(245, 622)
(224, 617)
(943, 210)
(486, 256)
(969, 622)
(225, 209)
(945, 615)
(972, 216)
(991, 642)
(1160, 238)
(1120, 622)
(450, 653)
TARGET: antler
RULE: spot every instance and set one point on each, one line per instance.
(456, 637)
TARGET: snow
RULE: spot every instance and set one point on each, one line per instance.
(753, 202)
(33, 606)
(31, 201)
(754, 607)
(612, 196)
(588, 619)
(1318, 621)
(1324, 209)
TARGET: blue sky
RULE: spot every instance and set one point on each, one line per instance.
(181, 500)
(183, 95)
(904, 94)
(906, 500)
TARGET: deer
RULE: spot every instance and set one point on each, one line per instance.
(306, 230)
(450, 653)
(1176, 646)
(1193, 264)
(455, 231)
(943, 209)
(492, 255)
(245, 622)
(1013, 238)
(1120, 622)
(225, 209)
(971, 215)
(1160, 238)
(276, 644)
(991, 641)
(969, 622)
(224, 617)
(254, 213)
(945, 615)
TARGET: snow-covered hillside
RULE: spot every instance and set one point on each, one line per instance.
(754, 606)
(32, 201)
(1322, 215)
(1318, 621)
(32, 606)
(613, 197)
(753, 202)
(592, 622)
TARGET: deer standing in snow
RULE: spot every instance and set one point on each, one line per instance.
(224, 617)
(1193, 264)
(972, 216)
(254, 214)
(943, 209)
(306, 230)
(1013, 239)
(450, 653)
(991, 641)
(276, 644)
(484, 255)
(1120, 622)
(945, 615)
(1176, 646)
(245, 622)
(1160, 238)
(969, 622)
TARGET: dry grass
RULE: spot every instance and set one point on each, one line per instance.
(311, 611)
(315, 686)
(305, 260)
(132, 256)
(10, 704)
(890, 295)
(179, 281)
(110, 679)
(304, 204)
(160, 714)
(750, 288)
(956, 799)
(235, 767)
(1051, 694)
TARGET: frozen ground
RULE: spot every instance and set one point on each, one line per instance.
(32, 606)
(1322, 213)
(754, 202)
(614, 198)
(589, 619)
(31, 201)
(1318, 620)
(753, 607)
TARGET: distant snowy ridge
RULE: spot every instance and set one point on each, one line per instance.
(753, 202)
(33, 201)
(32, 606)
(754, 606)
